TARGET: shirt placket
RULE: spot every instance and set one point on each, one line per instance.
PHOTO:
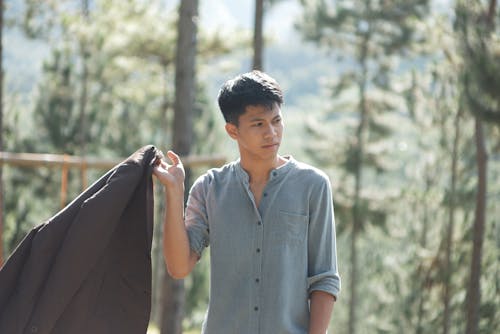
(256, 277)
(265, 203)
(258, 250)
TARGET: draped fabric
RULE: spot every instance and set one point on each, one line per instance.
(88, 268)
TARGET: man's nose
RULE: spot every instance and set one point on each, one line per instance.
(270, 131)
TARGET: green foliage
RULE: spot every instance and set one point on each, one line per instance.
(55, 114)
(480, 45)
(386, 26)
(368, 41)
(372, 35)
(38, 18)
(370, 32)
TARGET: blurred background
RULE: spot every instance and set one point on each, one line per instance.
(397, 100)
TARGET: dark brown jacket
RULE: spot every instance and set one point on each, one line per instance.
(88, 269)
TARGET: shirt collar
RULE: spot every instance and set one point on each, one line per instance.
(274, 175)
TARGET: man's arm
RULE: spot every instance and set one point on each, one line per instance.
(321, 307)
(179, 257)
(324, 279)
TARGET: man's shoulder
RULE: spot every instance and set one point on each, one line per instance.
(217, 173)
(308, 171)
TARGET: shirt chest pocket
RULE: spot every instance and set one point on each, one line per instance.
(290, 227)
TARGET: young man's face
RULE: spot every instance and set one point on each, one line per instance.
(258, 132)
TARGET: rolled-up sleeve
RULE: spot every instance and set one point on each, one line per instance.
(323, 272)
(196, 217)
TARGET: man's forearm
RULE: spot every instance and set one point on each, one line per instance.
(321, 304)
(176, 249)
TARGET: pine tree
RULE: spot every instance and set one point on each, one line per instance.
(368, 35)
(185, 90)
(477, 32)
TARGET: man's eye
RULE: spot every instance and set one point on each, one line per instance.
(257, 124)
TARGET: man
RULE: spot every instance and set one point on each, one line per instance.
(267, 218)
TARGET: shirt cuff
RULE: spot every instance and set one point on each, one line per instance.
(328, 282)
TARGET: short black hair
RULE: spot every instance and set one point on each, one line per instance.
(252, 88)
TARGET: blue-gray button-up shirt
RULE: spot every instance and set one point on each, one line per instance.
(265, 261)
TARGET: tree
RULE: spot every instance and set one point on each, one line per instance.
(447, 101)
(182, 138)
(1, 133)
(452, 204)
(372, 33)
(445, 96)
(258, 35)
(476, 31)
(83, 95)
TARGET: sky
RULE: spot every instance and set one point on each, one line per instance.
(214, 14)
(278, 21)
(240, 14)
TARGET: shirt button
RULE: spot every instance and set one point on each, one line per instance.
(258, 250)
(256, 308)
(34, 329)
(259, 223)
(265, 194)
(257, 280)
(275, 173)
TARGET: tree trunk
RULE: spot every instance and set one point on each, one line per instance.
(82, 130)
(353, 277)
(185, 89)
(473, 297)
(1, 133)
(184, 77)
(173, 305)
(159, 269)
(257, 35)
(356, 226)
(357, 217)
(448, 267)
(419, 328)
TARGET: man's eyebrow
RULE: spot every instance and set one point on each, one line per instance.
(260, 118)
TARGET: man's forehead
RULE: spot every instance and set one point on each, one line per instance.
(261, 111)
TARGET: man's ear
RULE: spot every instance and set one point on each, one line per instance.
(232, 130)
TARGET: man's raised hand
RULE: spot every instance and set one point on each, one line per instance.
(171, 176)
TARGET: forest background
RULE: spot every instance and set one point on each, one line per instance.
(398, 101)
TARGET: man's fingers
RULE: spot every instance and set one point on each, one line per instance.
(174, 158)
(157, 170)
(161, 168)
(163, 165)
